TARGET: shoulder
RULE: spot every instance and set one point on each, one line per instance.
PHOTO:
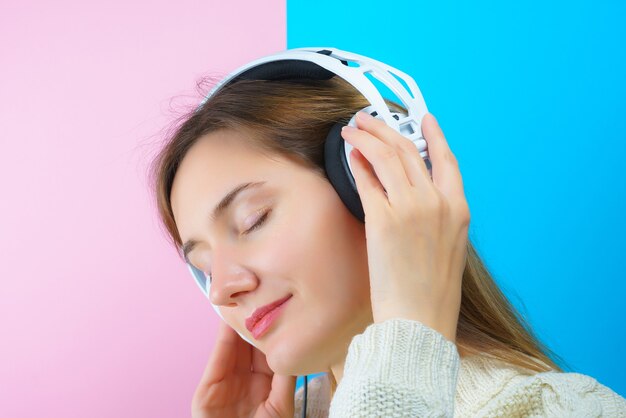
(510, 391)
(557, 393)
(318, 398)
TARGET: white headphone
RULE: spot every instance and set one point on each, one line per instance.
(323, 63)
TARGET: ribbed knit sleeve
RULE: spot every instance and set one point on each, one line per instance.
(398, 368)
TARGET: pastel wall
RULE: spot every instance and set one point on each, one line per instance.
(530, 96)
(98, 316)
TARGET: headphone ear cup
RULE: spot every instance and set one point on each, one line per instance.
(339, 173)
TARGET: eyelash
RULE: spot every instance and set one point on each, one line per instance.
(260, 222)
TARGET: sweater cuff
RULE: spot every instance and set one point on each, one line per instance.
(407, 353)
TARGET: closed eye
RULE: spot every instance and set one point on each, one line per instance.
(258, 223)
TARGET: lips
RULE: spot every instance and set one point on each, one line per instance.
(258, 314)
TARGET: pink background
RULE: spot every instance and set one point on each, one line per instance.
(98, 316)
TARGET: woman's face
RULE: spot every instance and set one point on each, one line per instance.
(309, 246)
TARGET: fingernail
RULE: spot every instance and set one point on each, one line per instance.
(364, 115)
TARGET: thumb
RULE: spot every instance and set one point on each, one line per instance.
(281, 398)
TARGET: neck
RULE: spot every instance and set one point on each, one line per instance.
(357, 326)
(336, 373)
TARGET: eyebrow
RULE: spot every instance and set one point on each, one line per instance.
(219, 210)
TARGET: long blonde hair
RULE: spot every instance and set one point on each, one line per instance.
(292, 118)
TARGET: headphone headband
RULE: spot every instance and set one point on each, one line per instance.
(323, 63)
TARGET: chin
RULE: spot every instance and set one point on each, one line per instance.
(294, 358)
(283, 361)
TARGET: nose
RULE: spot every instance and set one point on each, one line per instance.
(229, 278)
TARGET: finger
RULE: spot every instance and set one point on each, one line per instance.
(412, 161)
(445, 168)
(226, 356)
(370, 190)
(384, 159)
(281, 397)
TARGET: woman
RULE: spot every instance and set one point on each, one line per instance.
(400, 312)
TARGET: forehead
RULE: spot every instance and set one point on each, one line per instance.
(223, 154)
(215, 164)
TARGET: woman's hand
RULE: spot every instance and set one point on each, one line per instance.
(416, 228)
(237, 382)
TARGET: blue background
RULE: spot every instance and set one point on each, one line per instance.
(531, 99)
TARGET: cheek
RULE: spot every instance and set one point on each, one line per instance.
(319, 247)
(324, 249)
(284, 248)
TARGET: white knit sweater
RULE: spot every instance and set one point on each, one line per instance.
(402, 368)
